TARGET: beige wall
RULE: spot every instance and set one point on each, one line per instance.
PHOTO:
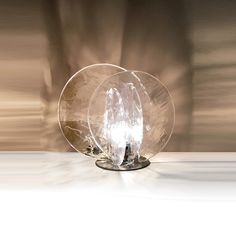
(190, 45)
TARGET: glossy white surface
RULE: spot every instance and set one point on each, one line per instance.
(170, 175)
(66, 194)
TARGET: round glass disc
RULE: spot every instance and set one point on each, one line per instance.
(131, 112)
(73, 105)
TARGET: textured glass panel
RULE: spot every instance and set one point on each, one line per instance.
(74, 102)
(131, 110)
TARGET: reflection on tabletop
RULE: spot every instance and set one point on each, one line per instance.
(169, 175)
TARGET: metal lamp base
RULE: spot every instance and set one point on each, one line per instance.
(107, 164)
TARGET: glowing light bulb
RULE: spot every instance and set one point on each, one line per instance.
(123, 123)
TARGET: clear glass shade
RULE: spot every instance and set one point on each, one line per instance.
(122, 117)
(130, 114)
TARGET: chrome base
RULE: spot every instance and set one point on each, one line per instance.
(107, 164)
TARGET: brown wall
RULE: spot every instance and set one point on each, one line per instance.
(189, 45)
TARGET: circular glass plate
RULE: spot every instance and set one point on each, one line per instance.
(131, 110)
(73, 105)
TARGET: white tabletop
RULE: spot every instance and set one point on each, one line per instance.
(180, 175)
(66, 194)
